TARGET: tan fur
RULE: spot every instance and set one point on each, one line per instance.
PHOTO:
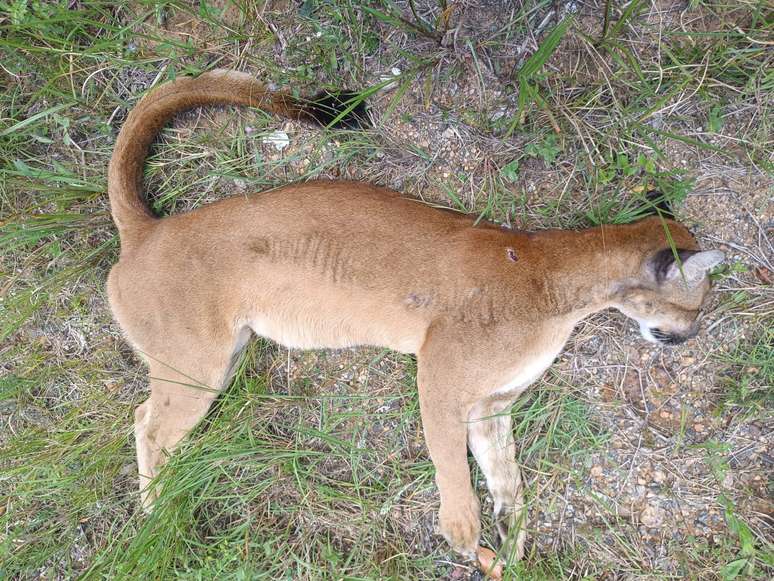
(337, 264)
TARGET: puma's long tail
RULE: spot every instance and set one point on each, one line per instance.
(130, 212)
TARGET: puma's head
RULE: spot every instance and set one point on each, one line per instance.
(666, 297)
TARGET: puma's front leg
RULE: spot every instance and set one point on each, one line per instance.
(491, 440)
(444, 419)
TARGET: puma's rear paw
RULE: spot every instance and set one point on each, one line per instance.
(460, 524)
(149, 493)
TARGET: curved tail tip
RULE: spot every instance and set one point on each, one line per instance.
(340, 109)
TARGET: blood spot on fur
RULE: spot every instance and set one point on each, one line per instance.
(511, 253)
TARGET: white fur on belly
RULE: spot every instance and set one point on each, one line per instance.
(316, 334)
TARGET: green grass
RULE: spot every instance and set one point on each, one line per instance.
(750, 375)
(323, 474)
(241, 498)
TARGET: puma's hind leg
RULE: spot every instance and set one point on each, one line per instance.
(182, 390)
(490, 438)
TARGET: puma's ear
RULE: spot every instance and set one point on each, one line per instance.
(696, 266)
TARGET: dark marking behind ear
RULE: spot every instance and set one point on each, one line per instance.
(664, 259)
(325, 107)
(512, 256)
(658, 200)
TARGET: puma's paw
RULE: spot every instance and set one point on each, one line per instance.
(149, 493)
(460, 524)
(511, 526)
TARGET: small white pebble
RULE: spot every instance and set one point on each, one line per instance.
(279, 139)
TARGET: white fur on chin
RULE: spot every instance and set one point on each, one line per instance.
(646, 334)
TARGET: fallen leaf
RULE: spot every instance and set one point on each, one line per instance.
(487, 564)
(763, 274)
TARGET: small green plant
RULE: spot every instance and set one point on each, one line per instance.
(749, 552)
(750, 374)
(547, 149)
(673, 186)
(510, 171)
(744, 564)
(715, 119)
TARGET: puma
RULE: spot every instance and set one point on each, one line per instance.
(331, 264)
